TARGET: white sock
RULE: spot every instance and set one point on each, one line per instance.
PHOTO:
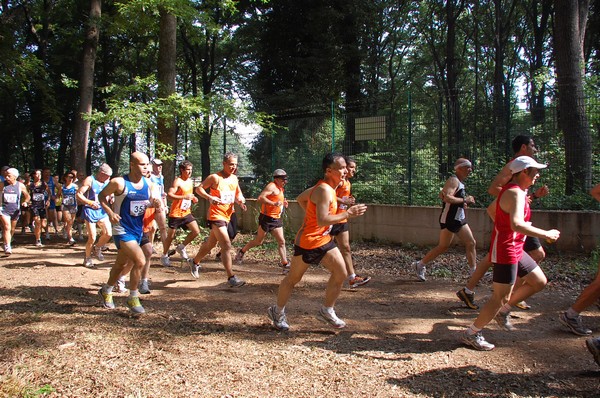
(351, 276)
(468, 291)
(133, 293)
(471, 330)
(571, 313)
(505, 309)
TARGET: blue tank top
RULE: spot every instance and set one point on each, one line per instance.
(11, 198)
(90, 214)
(131, 206)
(69, 196)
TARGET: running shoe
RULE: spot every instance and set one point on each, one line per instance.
(181, 250)
(420, 270)
(234, 281)
(88, 263)
(135, 306)
(285, 268)
(47, 236)
(522, 305)
(144, 287)
(195, 269)
(467, 298)
(98, 253)
(330, 318)
(476, 341)
(239, 257)
(107, 299)
(358, 281)
(120, 286)
(71, 241)
(279, 320)
(504, 321)
(593, 345)
(7, 250)
(165, 261)
(574, 324)
(38, 243)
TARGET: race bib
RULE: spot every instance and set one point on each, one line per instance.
(186, 204)
(10, 198)
(227, 197)
(38, 197)
(68, 200)
(137, 207)
(328, 230)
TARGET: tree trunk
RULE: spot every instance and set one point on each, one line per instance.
(81, 128)
(167, 46)
(570, 21)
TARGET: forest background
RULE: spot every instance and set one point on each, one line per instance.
(405, 87)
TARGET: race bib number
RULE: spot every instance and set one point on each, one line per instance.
(186, 204)
(38, 197)
(328, 231)
(227, 197)
(137, 207)
(68, 200)
(10, 198)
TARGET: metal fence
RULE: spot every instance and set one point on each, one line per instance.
(404, 156)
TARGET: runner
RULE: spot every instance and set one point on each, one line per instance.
(69, 206)
(132, 194)
(182, 195)
(40, 193)
(273, 203)
(506, 249)
(314, 245)
(340, 230)
(14, 194)
(160, 218)
(222, 191)
(94, 214)
(453, 221)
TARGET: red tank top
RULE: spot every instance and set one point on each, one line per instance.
(506, 246)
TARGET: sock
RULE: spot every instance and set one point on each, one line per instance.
(469, 291)
(280, 310)
(328, 310)
(107, 289)
(471, 330)
(133, 293)
(351, 276)
(145, 280)
(571, 313)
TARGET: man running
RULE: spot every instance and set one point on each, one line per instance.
(506, 250)
(453, 221)
(94, 214)
(40, 194)
(340, 230)
(273, 202)
(314, 244)
(132, 194)
(160, 218)
(13, 194)
(182, 195)
(222, 191)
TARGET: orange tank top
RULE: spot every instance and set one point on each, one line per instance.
(149, 219)
(311, 235)
(182, 207)
(227, 189)
(273, 211)
(343, 191)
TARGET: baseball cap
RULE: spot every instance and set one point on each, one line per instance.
(524, 162)
(106, 169)
(279, 173)
(157, 162)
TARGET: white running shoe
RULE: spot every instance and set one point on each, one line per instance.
(144, 287)
(38, 243)
(279, 320)
(239, 257)
(195, 269)
(330, 318)
(88, 263)
(120, 286)
(420, 270)
(181, 250)
(98, 253)
(165, 261)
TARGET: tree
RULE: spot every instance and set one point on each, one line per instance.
(569, 32)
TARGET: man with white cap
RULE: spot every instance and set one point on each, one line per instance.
(272, 201)
(453, 220)
(511, 226)
(93, 213)
(160, 217)
(12, 195)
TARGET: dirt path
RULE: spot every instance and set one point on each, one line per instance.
(203, 339)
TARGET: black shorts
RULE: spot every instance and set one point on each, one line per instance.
(531, 243)
(453, 226)
(58, 208)
(13, 216)
(314, 256)
(145, 239)
(507, 273)
(37, 212)
(181, 222)
(269, 223)
(217, 223)
(337, 229)
(232, 229)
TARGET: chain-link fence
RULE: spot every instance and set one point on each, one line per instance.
(405, 155)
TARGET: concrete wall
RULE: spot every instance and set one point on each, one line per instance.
(419, 225)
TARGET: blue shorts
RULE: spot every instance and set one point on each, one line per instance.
(128, 237)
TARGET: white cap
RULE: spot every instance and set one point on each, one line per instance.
(157, 162)
(524, 162)
(279, 173)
